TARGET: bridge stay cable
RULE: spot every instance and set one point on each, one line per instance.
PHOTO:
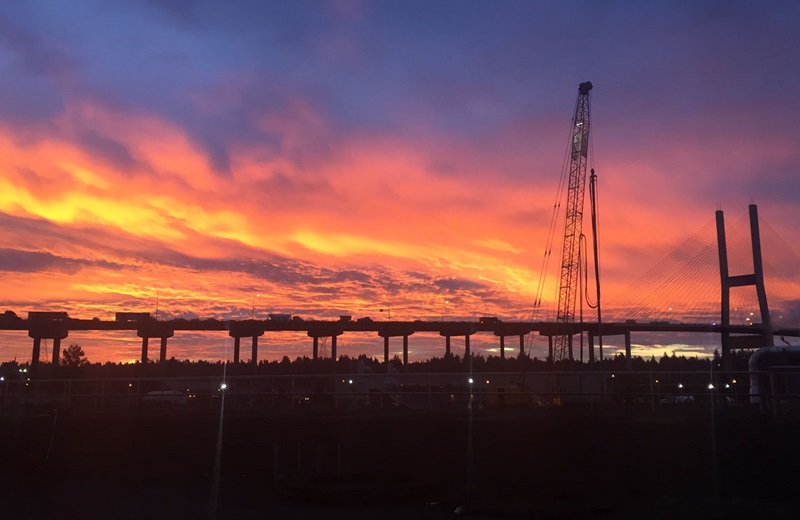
(684, 286)
(676, 273)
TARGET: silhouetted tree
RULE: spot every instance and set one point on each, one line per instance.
(73, 363)
(717, 361)
(73, 357)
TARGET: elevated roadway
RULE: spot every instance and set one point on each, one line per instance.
(57, 326)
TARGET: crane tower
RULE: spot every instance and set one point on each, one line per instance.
(570, 258)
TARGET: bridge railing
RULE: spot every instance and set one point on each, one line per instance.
(779, 392)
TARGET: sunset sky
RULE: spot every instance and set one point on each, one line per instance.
(229, 159)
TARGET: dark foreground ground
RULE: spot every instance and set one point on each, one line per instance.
(543, 463)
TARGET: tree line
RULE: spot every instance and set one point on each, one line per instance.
(73, 363)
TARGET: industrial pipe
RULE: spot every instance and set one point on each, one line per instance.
(755, 370)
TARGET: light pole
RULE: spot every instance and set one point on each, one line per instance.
(389, 306)
(253, 310)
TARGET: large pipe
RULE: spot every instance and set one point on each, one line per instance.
(753, 365)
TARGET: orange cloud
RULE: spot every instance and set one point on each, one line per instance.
(140, 215)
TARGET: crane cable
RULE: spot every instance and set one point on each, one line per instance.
(563, 181)
(554, 221)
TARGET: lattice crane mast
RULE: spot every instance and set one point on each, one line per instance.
(570, 257)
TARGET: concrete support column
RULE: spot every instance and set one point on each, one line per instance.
(237, 344)
(155, 330)
(245, 329)
(394, 331)
(725, 283)
(315, 351)
(550, 357)
(758, 274)
(447, 345)
(628, 361)
(45, 329)
(591, 347)
(163, 354)
(56, 351)
(145, 341)
(466, 346)
(37, 347)
(254, 354)
(327, 330)
(508, 330)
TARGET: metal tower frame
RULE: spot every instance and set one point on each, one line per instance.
(570, 268)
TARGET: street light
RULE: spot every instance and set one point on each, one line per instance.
(253, 311)
(389, 306)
